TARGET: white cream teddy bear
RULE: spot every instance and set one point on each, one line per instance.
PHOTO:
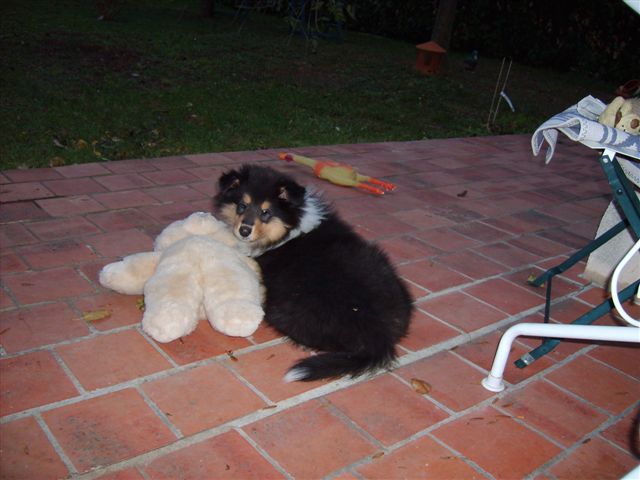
(195, 271)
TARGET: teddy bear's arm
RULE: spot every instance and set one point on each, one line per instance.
(130, 274)
(253, 265)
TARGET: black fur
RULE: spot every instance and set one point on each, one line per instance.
(327, 289)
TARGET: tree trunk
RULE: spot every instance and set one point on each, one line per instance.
(443, 26)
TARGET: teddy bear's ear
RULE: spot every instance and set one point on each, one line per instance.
(229, 181)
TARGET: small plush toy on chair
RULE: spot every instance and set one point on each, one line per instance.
(623, 114)
(339, 174)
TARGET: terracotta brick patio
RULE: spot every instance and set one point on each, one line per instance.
(471, 219)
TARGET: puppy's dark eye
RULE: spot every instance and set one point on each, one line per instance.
(241, 208)
(265, 215)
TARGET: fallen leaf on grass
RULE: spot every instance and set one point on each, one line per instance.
(420, 386)
(57, 162)
(96, 315)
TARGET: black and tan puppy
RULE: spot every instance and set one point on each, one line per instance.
(327, 288)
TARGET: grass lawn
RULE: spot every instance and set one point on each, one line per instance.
(162, 80)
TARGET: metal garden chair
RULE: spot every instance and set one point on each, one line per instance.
(579, 123)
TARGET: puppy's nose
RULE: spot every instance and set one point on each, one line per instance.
(245, 230)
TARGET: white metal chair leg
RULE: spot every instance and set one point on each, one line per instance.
(614, 285)
(633, 474)
(493, 381)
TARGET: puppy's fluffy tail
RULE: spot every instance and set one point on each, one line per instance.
(337, 364)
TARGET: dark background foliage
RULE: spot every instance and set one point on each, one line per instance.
(160, 77)
(597, 37)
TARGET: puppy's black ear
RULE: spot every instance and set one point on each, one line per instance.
(289, 191)
(228, 181)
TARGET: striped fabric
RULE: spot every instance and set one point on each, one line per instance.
(580, 123)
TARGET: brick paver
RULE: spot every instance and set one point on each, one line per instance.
(471, 219)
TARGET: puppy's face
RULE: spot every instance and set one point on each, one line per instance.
(253, 220)
(259, 204)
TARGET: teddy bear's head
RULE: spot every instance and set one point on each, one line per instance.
(611, 114)
(623, 114)
(630, 123)
(199, 223)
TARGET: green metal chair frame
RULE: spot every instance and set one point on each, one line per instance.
(625, 197)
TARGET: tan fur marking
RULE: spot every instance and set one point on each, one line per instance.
(246, 198)
(266, 205)
(231, 218)
(272, 232)
(228, 214)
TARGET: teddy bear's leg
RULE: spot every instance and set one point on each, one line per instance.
(173, 297)
(129, 275)
(233, 306)
(236, 318)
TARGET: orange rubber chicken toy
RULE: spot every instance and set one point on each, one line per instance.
(339, 173)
